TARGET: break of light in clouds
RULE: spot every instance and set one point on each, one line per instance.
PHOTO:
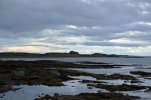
(87, 26)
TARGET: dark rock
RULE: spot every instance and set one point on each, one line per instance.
(141, 73)
(2, 82)
(114, 76)
(91, 96)
(123, 87)
(148, 90)
(136, 81)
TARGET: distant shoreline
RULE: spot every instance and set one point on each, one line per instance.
(61, 55)
(71, 57)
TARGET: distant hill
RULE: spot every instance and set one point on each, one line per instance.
(70, 54)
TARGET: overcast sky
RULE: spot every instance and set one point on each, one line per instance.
(86, 26)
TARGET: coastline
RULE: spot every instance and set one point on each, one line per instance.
(55, 73)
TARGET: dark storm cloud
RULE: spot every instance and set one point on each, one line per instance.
(80, 22)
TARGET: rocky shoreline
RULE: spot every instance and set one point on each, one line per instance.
(89, 96)
(54, 73)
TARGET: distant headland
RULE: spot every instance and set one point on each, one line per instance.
(56, 54)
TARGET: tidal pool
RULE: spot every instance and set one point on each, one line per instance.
(27, 92)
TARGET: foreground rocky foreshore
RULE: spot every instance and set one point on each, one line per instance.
(89, 96)
(54, 73)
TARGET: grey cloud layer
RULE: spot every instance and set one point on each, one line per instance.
(94, 22)
(34, 14)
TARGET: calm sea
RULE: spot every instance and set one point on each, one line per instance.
(140, 61)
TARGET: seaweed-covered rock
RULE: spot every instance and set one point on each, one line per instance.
(123, 87)
(90, 96)
(141, 73)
